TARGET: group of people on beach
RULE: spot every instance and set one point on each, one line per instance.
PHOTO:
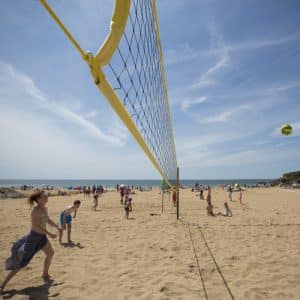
(24, 249)
(227, 211)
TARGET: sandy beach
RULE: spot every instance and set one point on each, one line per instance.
(253, 255)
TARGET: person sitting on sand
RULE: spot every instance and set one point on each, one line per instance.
(66, 219)
(227, 211)
(24, 249)
(209, 207)
(127, 206)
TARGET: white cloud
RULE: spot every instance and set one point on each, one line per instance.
(187, 103)
(32, 147)
(207, 78)
(242, 158)
(195, 143)
(225, 115)
(184, 52)
(181, 54)
(91, 114)
(284, 87)
(255, 44)
(27, 86)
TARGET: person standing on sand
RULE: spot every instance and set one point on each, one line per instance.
(24, 249)
(122, 193)
(230, 193)
(240, 196)
(127, 205)
(201, 194)
(96, 196)
(209, 205)
(66, 219)
(174, 198)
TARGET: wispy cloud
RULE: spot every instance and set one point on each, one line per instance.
(284, 87)
(225, 115)
(91, 114)
(247, 157)
(207, 78)
(181, 54)
(187, 103)
(184, 52)
(29, 87)
(257, 44)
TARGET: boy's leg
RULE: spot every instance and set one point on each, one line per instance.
(9, 276)
(49, 254)
(69, 232)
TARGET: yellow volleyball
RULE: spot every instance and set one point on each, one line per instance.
(286, 129)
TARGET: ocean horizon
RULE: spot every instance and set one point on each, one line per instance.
(65, 183)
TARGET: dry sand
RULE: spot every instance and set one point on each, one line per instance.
(253, 255)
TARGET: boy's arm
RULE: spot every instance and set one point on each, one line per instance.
(52, 223)
(75, 211)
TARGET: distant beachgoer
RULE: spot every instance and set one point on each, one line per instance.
(122, 194)
(88, 191)
(101, 189)
(201, 194)
(230, 193)
(24, 249)
(240, 197)
(127, 206)
(174, 198)
(66, 219)
(227, 211)
(130, 204)
(96, 196)
(209, 207)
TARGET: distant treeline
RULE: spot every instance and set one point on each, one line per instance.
(288, 178)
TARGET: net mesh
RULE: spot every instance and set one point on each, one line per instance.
(136, 74)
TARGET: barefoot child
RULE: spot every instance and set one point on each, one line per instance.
(126, 206)
(96, 196)
(66, 219)
(24, 249)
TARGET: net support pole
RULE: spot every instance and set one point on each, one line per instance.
(177, 194)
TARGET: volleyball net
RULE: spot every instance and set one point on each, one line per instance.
(128, 69)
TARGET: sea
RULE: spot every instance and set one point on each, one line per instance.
(71, 183)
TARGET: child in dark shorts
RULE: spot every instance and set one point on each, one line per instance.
(127, 206)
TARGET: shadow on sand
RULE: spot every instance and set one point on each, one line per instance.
(40, 292)
(72, 245)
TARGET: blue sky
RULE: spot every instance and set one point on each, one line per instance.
(233, 78)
